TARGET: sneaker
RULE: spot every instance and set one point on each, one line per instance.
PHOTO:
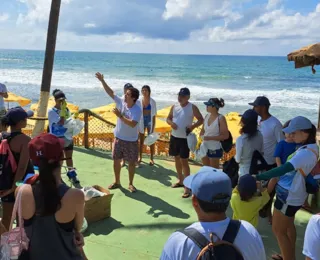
(72, 175)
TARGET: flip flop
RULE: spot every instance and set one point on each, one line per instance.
(186, 194)
(277, 257)
(114, 186)
(132, 189)
(151, 163)
(177, 185)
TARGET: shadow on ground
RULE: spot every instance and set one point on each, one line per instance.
(92, 152)
(103, 227)
(156, 172)
(158, 206)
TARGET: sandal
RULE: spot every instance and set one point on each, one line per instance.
(277, 257)
(151, 163)
(114, 186)
(186, 194)
(177, 185)
(132, 189)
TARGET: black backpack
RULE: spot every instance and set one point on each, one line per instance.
(228, 143)
(219, 250)
(231, 168)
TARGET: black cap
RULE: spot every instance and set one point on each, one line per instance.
(128, 85)
(247, 185)
(17, 114)
(184, 92)
(250, 116)
(260, 101)
(59, 95)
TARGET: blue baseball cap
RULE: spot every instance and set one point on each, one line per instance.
(247, 184)
(298, 123)
(17, 114)
(184, 92)
(260, 101)
(211, 103)
(250, 116)
(210, 185)
(127, 86)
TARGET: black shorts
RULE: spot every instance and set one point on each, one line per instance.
(179, 147)
(287, 210)
(9, 198)
(69, 147)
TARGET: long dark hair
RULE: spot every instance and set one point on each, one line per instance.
(312, 135)
(51, 200)
(219, 102)
(250, 128)
(147, 88)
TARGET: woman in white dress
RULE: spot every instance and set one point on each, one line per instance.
(214, 130)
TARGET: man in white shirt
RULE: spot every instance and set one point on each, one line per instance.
(211, 193)
(311, 247)
(126, 133)
(3, 94)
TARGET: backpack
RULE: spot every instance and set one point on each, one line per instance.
(8, 164)
(219, 250)
(228, 143)
(312, 185)
(231, 168)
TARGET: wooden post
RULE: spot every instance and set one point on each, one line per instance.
(48, 66)
(86, 129)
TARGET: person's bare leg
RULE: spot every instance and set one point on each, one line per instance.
(179, 169)
(292, 234)
(7, 208)
(141, 147)
(205, 161)
(215, 162)
(117, 170)
(186, 173)
(152, 154)
(131, 170)
(280, 227)
(68, 154)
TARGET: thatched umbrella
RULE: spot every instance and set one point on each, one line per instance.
(306, 56)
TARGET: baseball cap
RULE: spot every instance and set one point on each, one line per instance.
(261, 101)
(46, 146)
(128, 85)
(250, 116)
(59, 95)
(210, 185)
(247, 184)
(17, 114)
(298, 123)
(211, 103)
(184, 92)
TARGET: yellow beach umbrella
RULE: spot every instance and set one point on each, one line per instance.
(73, 108)
(103, 109)
(13, 98)
(164, 112)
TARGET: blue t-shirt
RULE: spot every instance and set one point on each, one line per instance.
(284, 149)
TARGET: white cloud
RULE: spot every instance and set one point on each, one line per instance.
(273, 4)
(4, 17)
(89, 25)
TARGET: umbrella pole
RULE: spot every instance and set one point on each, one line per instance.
(48, 66)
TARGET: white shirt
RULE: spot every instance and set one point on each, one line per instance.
(3, 89)
(122, 130)
(153, 113)
(311, 247)
(182, 117)
(212, 130)
(245, 148)
(271, 130)
(54, 118)
(293, 181)
(248, 241)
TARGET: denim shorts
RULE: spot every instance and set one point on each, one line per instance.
(215, 153)
(147, 123)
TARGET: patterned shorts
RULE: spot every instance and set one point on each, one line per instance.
(125, 150)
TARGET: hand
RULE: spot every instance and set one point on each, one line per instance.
(174, 126)
(259, 186)
(117, 112)
(99, 76)
(190, 127)
(207, 138)
(78, 239)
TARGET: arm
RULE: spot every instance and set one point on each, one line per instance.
(109, 91)
(79, 198)
(239, 146)
(276, 172)
(130, 122)
(278, 161)
(224, 132)
(277, 153)
(24, 160)
(4, 94)
(170, 118)
(4, 91)
(197, 114)
(153, 124)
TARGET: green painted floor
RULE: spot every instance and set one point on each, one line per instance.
(140, 223)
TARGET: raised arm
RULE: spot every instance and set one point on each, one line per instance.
(109, 91)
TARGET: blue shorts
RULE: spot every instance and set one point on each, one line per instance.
(147, 123)
(215, 153)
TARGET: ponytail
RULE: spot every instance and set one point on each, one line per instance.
(312, 135)
(51, 200)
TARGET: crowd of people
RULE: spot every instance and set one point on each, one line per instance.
(273, 159)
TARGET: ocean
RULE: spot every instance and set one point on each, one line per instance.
(236, 79)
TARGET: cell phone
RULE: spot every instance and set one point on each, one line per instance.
(188, 131)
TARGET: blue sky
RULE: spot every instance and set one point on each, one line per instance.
(242, 27)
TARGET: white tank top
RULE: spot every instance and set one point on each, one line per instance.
(212, 130)
(182, 117)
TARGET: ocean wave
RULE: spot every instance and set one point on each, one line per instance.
(9, 59)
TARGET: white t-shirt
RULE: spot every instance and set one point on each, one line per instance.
(248, 241)
(245, 148)
(212, 130)
(311, 247)
(293, 181)
(54, 118)
(3, 89)
(122, 130)
(271, 130)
